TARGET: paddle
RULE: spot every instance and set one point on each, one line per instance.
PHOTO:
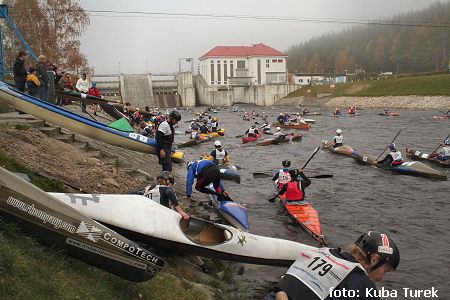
(85, 111)
(388, 145)
(440, 145)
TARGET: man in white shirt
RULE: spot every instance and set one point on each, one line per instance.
(83, 87)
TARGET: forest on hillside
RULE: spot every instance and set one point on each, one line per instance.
(380, 48)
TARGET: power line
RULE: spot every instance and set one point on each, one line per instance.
(115, 13)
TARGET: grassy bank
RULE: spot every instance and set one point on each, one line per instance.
(29, 270)
(433, 85)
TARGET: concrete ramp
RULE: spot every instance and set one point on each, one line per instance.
(137, 89)
(167, 100)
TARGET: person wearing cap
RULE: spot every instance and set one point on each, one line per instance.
(167, 196)
(278, 134)
(95, 92)
(300, 119)
(206, 172)
(165, 135)
(219, 155)
(282, 176)
(280, 118)
(33, 83)
(294, 188)
(41, 73)
(194, 126)
(215, 124)
(204, 128)
(324, 273)
(393, 158)
(444, 153)
(338, 139)
(20, 71)
(252, 131)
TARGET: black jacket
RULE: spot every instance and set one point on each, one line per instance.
(41, 70)
(20, 72)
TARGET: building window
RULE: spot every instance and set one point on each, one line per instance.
(241, 64)
(280, 60)
(212, 72)
(219, 73)
(231, 69)
(267, 63)
(274, 60)
(225, 72)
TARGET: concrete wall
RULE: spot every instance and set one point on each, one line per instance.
(137, 89)
(186, 88)
(263, 95)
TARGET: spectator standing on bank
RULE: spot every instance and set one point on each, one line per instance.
(94, 91)
(41, 70)
(19, 70)
(83, 87)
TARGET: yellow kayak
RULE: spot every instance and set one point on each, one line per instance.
(177, 157)
(218, 133)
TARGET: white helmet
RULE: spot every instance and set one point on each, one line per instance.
(338, 131)
(217, 143)
(278, 128)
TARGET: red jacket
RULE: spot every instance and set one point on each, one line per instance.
(93, 91)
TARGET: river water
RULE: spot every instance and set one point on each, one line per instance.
(413, 210)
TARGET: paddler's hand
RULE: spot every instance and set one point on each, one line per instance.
(162, 153)
(185, 216)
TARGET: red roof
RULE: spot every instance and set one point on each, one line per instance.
(242, 51)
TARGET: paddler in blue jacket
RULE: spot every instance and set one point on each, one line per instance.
(393, 158)
(206, 172)
(325, 273)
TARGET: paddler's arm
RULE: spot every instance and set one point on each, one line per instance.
(174, 201)
(275, 177)
(190, 181)
(280, 192)
(159, 142)
(387, 158)
(227, 157)
(306, 181)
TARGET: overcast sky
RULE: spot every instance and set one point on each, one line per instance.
(155, 43)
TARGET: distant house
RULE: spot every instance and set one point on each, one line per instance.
(318, 79)
(243, 65)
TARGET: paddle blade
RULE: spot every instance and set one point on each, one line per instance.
(322, 176)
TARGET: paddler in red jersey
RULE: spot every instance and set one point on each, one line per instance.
(295, 188)
(393, 158)
(328, 273)
(337, 112)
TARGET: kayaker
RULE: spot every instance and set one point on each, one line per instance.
(165, 135)
(286, 119)
(337, 111)
(444, 153)
(278, 134)
(206, 172)
(204, 128)
(209, 123)
(148, 130)
(352, 110)
(368, 259)
(167, 195)
(282, 176)
(338, 139)
(393, 158)
(295, 187)
(194, 125)
(264, 117)
(300, 119)
(214, 124)
(280, 118)
(220, 156)
(252, 131)
(305, 111)
(387, 112)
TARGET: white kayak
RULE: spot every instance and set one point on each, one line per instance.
(146, 221)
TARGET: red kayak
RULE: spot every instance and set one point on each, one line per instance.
(287, 138)
(247, 139)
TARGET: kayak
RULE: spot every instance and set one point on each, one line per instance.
(413, 168)
(391, 114)
(229, 172)
(342, 150)
(445, 117)
(193, 142)
(234, 213)
(287, 138)
(248, 139)
(292, 126)
(306, 216)
(417, 155)
(310, 121)
(64, 228)
(217, 133)
(151, 223)
(313, 114)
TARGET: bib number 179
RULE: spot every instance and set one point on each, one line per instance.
(320, 265)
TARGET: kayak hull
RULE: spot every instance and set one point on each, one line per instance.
(62, 227)
(229, 172)
(146, 221)
(249, 139)
(417, 155)
(292, 126)
(218, 133)
(342, 150)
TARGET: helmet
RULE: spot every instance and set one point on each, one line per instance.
(164, 175)
(278, 129)
(392, 147)
(286, 163)
(380, 243)
(281, 114)
(175, 115)
(447, 142)
(217, 144)
(338, 131)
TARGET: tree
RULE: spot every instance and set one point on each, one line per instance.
(51, 27)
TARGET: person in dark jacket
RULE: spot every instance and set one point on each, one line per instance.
(325, 273)
(165, 135)
(42, 75)
(19, 70)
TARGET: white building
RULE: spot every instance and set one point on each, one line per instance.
(243, 65)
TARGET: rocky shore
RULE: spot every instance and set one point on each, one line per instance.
(402, 102)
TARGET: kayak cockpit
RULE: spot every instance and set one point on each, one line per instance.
(204, 233)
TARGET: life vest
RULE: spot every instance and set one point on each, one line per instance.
(168, 139)
(396, 157)
(214, 125)
(446, 151)
(294, 191)
(339, 139)
(321, 271)
(194, 134)
(251, 131)
(153, 194)
(220, 156)
(283, 176)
